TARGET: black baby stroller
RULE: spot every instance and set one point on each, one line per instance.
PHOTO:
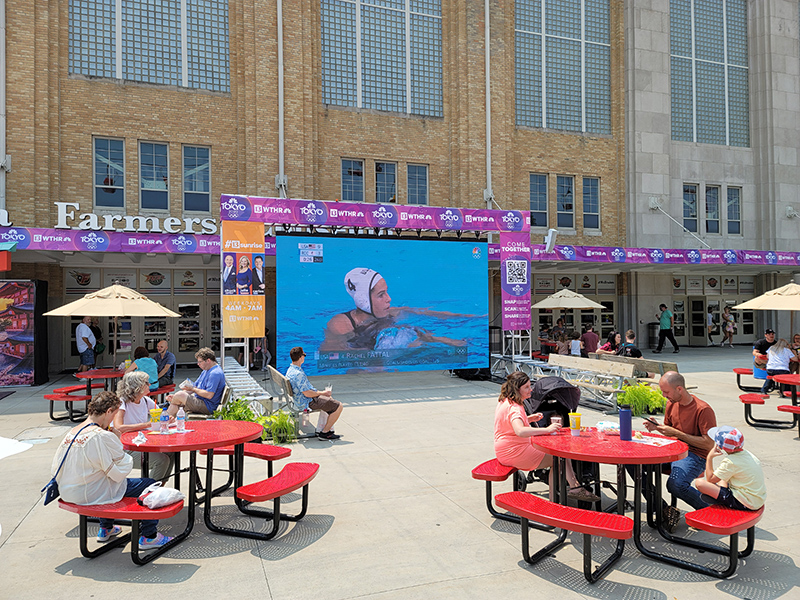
(552, 396)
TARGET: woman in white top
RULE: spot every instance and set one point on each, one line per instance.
(134, 415)
(779, 355)
(96, 468)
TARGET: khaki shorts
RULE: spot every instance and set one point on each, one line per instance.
(327, 405)
(196, 405)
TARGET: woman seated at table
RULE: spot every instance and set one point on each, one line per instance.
(779, 357)
(143, 362)
(512, 435)
(612, 344)
(134, 415)
(96, 468)
(794, 367)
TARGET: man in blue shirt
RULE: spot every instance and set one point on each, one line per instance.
(306, 396)
(205, 395)
(165, 360)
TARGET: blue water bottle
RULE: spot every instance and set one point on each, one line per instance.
(625, 422)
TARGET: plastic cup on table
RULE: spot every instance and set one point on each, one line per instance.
(556, 420)
(575, 424)
(155, 415)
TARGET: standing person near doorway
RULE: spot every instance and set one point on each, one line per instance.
(85, 340)
(710, 326)
(728, 327)
(666, 322)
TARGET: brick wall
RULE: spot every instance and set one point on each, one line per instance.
(52, 117)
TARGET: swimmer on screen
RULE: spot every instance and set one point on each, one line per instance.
(371, 325)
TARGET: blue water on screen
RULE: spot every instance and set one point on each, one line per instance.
(424, 274)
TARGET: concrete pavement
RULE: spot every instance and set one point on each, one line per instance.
(393, 512)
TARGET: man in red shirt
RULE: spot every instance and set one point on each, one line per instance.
(688, 419)
(590, 340)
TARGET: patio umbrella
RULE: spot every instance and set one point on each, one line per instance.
(113, 301)
(567, 299)
(786, 297)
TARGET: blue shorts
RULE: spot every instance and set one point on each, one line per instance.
(87, 357)
(727, 499)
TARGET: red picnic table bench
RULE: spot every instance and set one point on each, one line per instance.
(127, 508)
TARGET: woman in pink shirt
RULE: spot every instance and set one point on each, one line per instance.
(512, 435)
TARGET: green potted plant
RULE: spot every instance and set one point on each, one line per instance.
(642, 398)
(239, 410)
(281, 427)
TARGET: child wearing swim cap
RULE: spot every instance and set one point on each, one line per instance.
(738, 481)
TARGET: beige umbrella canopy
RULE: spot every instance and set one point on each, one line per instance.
(566, 299)
(786, 297)
(113, 301)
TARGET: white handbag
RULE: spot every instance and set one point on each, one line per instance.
(156, 496)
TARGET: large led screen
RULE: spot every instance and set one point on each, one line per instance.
(357, 304)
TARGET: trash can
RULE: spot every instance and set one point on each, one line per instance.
(652, 334)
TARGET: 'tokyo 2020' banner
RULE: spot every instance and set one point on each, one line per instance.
(243, 279)
(515, 282)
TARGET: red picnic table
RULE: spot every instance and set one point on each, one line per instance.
(594, 446)
(109, 377)
(199, 435)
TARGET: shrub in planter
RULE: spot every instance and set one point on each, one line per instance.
(642, 398)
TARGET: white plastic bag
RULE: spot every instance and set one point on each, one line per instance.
(185, 383)
(156, 496)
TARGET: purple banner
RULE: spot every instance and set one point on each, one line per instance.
(653, 256)
(515, 280)
(29, 238)
(384, 216)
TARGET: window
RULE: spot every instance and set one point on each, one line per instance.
(734, 211)
(109, 173)
(153, 176)
(565, 211)
(712, 209)
(709, 71)
(383, 55)
(538, 200)
(196, 179)
(385, 182)
(352, 180)
(417, 184)
(563, 65)
(171, 43)
(690, 207)
(591, 203)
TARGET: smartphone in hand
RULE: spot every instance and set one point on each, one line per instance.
(652, 420)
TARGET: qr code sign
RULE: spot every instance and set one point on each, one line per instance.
(516, 271)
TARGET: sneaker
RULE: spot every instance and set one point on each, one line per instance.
(582, 494)
(656, 351)
(676, 350)
(103, 534)
(670, 518)
(711, 345)
(157, 542)
(328, 435)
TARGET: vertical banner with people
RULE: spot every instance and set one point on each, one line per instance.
(243, 285)
(515, 283)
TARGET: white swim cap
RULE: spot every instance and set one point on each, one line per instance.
(359, 283)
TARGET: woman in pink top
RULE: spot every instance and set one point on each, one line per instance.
(512, 435)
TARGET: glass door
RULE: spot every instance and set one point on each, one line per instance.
(216, 326)
(126, 340)
(189, 333)
(608, 321)
(697, 320)
(155, 330)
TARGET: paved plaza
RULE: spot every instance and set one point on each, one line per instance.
(393, 512)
